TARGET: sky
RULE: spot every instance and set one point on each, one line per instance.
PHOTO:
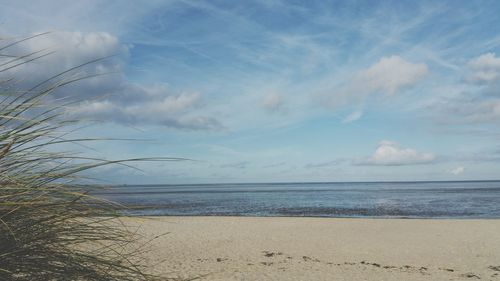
(275, 91)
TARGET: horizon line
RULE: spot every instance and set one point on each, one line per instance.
(298, 182)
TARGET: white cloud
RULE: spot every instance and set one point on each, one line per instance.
(389, 153)
(457, 171)
(355, 115)
(273, 102)
(391, 74)
(484, 69)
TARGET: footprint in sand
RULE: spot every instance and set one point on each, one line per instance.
(270, 254)
(494, 268)
(470, 275)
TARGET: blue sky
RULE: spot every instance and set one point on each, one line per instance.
(272, 91)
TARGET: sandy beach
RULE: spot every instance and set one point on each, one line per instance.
(259, 248)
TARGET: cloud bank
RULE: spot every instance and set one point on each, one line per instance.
(107, 95)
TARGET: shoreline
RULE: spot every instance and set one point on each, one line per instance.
(323, 217)
(304, 248)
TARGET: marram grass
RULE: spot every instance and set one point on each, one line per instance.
(50, 227)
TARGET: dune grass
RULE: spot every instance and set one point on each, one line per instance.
(51, 228)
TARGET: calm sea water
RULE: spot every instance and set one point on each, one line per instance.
(479, 199)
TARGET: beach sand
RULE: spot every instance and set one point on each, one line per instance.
(250, 248)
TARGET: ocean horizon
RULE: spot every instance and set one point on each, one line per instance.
(394, 199)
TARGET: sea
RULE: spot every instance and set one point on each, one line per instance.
(450, 199)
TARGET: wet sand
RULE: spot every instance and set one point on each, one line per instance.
(249, 248)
